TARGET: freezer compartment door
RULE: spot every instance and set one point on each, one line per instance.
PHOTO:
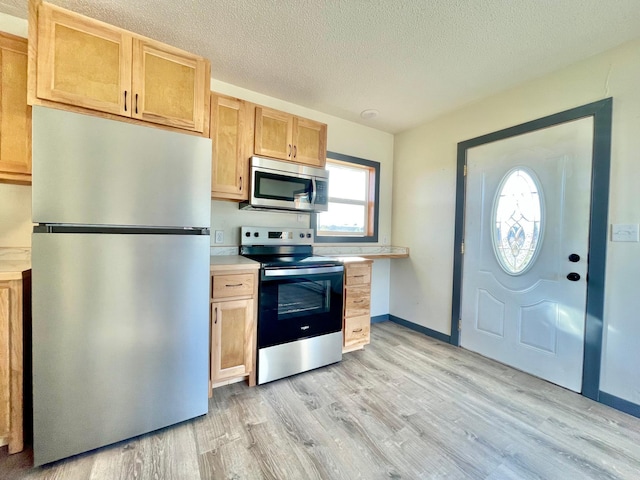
(120, 337)
(94, 171)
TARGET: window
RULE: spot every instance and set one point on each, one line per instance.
(354, 185)
(518, 217)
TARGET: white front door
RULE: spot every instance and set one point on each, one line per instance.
(526, 235)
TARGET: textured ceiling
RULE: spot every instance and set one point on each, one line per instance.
(411, 60)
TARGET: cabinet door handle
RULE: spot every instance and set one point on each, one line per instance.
(358, 330)
(136, 103)
(295, 151)
(125, 100)
(289, 151)
(233, 285)
(216, 315)
(241, 183)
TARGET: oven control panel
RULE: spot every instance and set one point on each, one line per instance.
(276, 236)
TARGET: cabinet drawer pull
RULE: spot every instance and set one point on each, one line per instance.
(358, 301)
(358, 330)
(233, 285)
(125, 100)
(358, 276)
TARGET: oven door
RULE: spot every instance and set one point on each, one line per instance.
(297, 303)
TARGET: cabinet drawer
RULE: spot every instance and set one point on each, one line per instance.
(356, 330)
(358, 274)
(357, 301)
(233, 285)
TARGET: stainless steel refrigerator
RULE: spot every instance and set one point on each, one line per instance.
(120, 265)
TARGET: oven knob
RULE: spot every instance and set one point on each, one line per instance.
(308, 235)
(248, 234)
(256, 234)
(302, 235)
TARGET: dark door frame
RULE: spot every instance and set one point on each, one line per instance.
(601, 111)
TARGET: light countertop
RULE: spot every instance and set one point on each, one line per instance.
(12, 269)
(232, 262)
(373, 252)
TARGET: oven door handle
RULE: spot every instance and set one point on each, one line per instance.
(288, 272)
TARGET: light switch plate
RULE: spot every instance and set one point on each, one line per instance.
(625, 232)
(219, 236)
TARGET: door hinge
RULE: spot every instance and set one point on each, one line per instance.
(464, 172)
(459, 324)
(462, 248)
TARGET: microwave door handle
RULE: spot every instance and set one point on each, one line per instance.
(313, 191)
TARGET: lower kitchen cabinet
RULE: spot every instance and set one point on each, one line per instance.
(356, 326)
(233, 325)
(14, 296)
(232, 339)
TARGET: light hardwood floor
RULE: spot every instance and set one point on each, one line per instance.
(406, 407)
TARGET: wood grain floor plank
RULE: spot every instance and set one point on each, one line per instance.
(405, 407)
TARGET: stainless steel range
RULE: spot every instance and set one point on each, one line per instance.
(300, 302)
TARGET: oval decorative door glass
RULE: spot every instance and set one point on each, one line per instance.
(518, 212)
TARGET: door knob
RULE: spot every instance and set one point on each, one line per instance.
(574, 257)
(573, 276)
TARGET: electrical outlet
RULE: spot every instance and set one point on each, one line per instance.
(219, 236)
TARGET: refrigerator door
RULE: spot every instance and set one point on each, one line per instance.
(120, 335)
(93, 171)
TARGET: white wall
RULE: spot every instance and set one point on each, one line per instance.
(343, 137)
(424, 200)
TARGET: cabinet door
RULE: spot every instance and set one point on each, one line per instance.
(273, 134)
(168, 85)
(15, 114)
(229, 168)
(357, 331)
(4, 364)
(310, 142)
(232, 342)
(83, 62)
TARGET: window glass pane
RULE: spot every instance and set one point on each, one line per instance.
(349, 183)
(342, 218)
(517, 218)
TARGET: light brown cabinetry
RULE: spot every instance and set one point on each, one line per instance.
(233, 325)
(15, 114)
(231, 134)
(89, 64)
(357, 304)
(287, 137)
(11, 360)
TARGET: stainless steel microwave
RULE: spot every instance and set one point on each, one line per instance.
(287, 186)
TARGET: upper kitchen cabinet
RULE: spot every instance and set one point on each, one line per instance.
(88, 64)
(168, 85)
(287, 137)
(15, 114)
(230, 130)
